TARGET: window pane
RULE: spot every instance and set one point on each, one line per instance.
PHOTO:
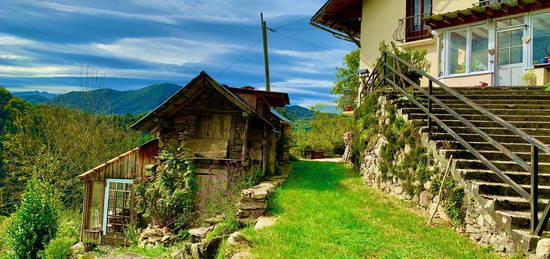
(510, 22)
(503, 23)
(480, 50)
(504, 56)
(458, 52)
(515, 37)
(516, 55)
(503, 39)
(95, 206)
(516, 21)
(541, 37)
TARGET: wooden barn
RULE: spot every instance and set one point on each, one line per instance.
(217, 123)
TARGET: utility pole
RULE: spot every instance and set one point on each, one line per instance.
(266, 56)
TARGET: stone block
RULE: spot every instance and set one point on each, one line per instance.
(253, 205)
(543, 248)
(265, 221)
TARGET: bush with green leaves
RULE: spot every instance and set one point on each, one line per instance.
(67, 235)
(35, 222)
(166, 192)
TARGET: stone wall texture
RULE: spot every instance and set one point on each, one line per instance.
(479, 224)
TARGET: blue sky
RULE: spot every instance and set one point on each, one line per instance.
(51, 45)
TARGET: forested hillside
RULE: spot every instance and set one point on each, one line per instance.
(109, 101)
(42, 150)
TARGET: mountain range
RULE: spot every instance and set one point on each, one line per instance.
(112, 101)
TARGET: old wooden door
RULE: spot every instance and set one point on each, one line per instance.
(215, 126)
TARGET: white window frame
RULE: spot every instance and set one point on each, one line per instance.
(447, 50)
(106, 199)
(531, 35)
(491, 26)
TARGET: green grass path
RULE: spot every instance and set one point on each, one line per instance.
(325, 211)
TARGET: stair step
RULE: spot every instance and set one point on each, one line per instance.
(503, 138)
(502, 165)
(524, 96)
(492, 154)
(514, 147)
(489, 123)
(470, 111)
(490, 176)
(516, 100)
(473, 117)
(489, 105)
(502, 188)
(510, 203)
(520, 219)
(489, 130)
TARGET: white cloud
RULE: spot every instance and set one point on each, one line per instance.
(167, 14)
(305, 83)
(13, 40)
(55, 89)
(317, 62)
(165, 50)
(79, 71)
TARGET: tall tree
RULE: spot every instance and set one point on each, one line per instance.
(347, 84)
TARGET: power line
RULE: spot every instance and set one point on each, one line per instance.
(239, 58)
(287, 24)
(303, 41)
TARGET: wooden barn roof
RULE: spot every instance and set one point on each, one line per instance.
(143, 153)
(275, 99)
(341, 15)
(485, 12)
(186, 95)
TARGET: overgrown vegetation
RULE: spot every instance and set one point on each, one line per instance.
(324, 133)
(166, 193)
(347, 83)
(45, 148)
(416, 167)
(224, 200)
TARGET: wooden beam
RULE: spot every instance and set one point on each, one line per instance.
(245, 132)
(461, 17)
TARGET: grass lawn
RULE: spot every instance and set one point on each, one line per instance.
(325, 211)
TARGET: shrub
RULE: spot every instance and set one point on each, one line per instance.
(167, 191)
(529, 78)
(58, 248)
(35, 222)
(67, 235)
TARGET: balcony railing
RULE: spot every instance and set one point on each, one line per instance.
(413, 28)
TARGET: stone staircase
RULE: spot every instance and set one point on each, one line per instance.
(527, 108)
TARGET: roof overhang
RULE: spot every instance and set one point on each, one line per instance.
(187, 94)
(342, 18)
(275, 99)
(485, 12)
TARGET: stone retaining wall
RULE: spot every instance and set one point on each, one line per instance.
(254, 200)
(479, 224)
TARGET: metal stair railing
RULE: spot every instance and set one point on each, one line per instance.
(378, 77)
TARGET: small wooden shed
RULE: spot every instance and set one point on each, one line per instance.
(217, 123)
